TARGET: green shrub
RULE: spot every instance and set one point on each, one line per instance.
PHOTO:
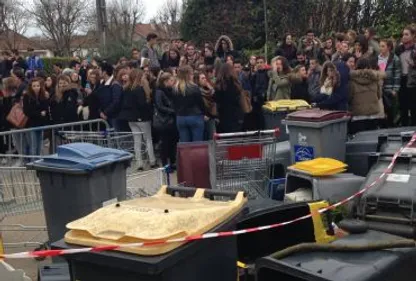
(271, 48)
(117, 49)
(49, 62)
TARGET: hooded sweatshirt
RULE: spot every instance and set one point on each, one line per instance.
(365, 92)
(220, 52)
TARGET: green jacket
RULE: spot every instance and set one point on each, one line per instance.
(279, 86)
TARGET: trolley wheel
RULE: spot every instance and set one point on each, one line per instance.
(42, 247)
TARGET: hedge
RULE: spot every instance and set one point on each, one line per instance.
(49, 62)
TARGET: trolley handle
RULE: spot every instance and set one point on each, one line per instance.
(208, 193)
(275, 132)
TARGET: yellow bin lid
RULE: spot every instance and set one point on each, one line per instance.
(286, 105)
(155, 218)
(321, 167)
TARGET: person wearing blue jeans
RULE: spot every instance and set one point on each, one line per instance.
(189, 106)
(36, 108)
(34, 141)
(190, 128)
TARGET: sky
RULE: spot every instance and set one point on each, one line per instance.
(151, 7)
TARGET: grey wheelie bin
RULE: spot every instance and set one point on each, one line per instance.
(78, 180)
(360, 148)
(276, 111)
(317, 133)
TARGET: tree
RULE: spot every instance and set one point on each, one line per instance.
(122, 18)
(243, 20)
(14, 22)
(206, 20)
(167, 19)
(60, 20)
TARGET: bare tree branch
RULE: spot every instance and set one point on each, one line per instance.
(123, 16)
(60, 20)
(167, 19)
(14, 22)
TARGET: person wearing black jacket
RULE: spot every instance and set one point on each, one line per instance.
(6, 65)
(227, 96)
(260, 83)
(170, 59)
(207, 91)
(164, 119)
(287, 49)
(209, 55)
(18, 61)
(9, 100)
(83, 73)
(91, 102)
(110, 95)
(6, 104)
(299, 88)
(189, 107)
(136, 109)
(35, 107)
(19, 74)
(407, 98)
(50, 85)
(64, 105)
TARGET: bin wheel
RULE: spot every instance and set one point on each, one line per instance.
(41, 248)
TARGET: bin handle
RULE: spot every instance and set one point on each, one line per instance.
(206, 193)
(303, 107)
(283, 109)
(275, 132)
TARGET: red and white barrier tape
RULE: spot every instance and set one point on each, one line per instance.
(54, 253)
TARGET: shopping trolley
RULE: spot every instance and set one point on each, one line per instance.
(147, 183)
(244, 161)
(20, 202)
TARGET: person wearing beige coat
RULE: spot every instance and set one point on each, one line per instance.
(365, 97)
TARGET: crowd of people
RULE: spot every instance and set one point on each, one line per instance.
(186, 94)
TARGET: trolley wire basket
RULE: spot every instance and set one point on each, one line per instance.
(147, 183)
(244, 161)
(20, 196)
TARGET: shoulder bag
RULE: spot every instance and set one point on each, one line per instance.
(17, 117)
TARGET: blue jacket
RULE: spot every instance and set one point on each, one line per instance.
(260, 83)
(245, 82)
(339, 98)
(34, 63)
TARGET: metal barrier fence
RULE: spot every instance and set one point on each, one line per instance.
(20, 192)
(24, 145)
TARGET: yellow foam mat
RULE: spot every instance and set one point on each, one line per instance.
(319, 229)
(281, 105)
(320, 167)
(155, 218)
